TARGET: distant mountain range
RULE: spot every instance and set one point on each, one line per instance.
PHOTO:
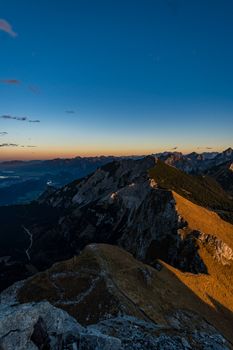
(196, 163)
(144, 239)
(24, 181)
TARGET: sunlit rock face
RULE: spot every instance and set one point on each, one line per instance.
(217, 248)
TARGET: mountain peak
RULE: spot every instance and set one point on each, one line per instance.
(228, 151)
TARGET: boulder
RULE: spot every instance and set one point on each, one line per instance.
(40, 325)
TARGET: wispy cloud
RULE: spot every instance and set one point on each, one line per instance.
(34, 89)
(33, 121)
(174, 148)
(70, 111)
(27, 146)
(7, 28)
(16, 145)
(3, 133)
(207, 147)
(21, 119)
(10, 81)
(9, 145)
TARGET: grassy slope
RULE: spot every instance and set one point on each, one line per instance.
(201, 190)
(169, 289)
(216, 288)
(204, 220)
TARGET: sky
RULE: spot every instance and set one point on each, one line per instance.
(91, 77)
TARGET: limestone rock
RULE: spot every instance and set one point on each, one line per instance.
(36, 326)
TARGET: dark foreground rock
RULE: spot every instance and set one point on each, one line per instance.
(42, 326)
(36, 326)
(138, 334)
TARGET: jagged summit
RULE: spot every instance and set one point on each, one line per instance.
(228, 151)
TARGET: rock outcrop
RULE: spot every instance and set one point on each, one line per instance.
(37, 326)
(216, 247)
(179, 335)
(105, 282)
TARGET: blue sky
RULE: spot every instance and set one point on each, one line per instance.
(138, 76)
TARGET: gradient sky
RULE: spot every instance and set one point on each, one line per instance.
(115, 76)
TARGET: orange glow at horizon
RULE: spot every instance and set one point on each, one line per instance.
(17, 153)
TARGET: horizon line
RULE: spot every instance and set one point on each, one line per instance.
(22, 159)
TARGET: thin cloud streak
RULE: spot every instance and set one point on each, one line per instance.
(9, 145)
(205, 147)
(34, 89)
(10, 81)
(13, 118)
(3, 133)
(7, 28)
(21, 119)
(16, 145)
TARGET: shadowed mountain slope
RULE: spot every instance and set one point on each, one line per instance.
(223, 174)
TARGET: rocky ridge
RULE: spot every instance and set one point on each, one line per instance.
(121, 203)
